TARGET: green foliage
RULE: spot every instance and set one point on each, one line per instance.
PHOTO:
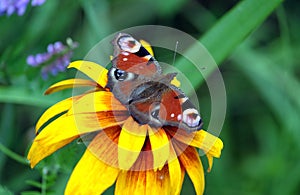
(4, 191)
(255, 45)
(49, 178)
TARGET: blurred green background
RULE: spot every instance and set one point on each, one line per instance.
(256, 45)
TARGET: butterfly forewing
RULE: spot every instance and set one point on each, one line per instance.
(131, 56)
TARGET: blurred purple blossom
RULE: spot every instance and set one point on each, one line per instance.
(37, 2)
(9, 7)
(55, 60)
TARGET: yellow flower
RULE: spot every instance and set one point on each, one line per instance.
(139, 159)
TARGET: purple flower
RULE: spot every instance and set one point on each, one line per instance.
(55, 60)
(38, 59)
(31, 60)
(57, 47)
(37, 2)
(9, 7)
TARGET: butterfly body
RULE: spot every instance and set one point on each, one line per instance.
(137, 82)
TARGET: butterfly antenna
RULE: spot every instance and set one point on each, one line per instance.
(175, 51)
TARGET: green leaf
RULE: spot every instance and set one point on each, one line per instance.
(30, 193)
(26, 96)
(13, 155)
(98, 18)
(34, 183)
(167, 7)
(229, 32)
(5, 191)
(8, 116)
(236, 25)
(277, 88)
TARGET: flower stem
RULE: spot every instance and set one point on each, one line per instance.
(13, 155)
(44, 181)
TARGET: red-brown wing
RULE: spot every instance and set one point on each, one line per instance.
(179, 110)
(131, 56)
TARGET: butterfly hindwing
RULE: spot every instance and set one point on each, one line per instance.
(161, 104)
(180, 111)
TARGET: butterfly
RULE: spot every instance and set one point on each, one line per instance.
(136, 80)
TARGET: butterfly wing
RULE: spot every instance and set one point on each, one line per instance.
(161, 104)
(179, 110)
(144, 104)
(131, 56)
(132, 65)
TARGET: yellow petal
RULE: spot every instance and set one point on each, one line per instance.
(92, 70)
(96, 102)
(131, 141)
(70, 83)
(158, 182)
(210, 160)
(89, 122)
(91, 176)
(143, 182)
(175, 171)
(105, 146)
(54, 110)
(66, 128)
(159, 146)
(189, 158)
(131, 182)
(208, 143)
(145, 158)
(142, 179)
(175, 82)
(200, 139)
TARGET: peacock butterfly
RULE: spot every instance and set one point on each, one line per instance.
(136, 80)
